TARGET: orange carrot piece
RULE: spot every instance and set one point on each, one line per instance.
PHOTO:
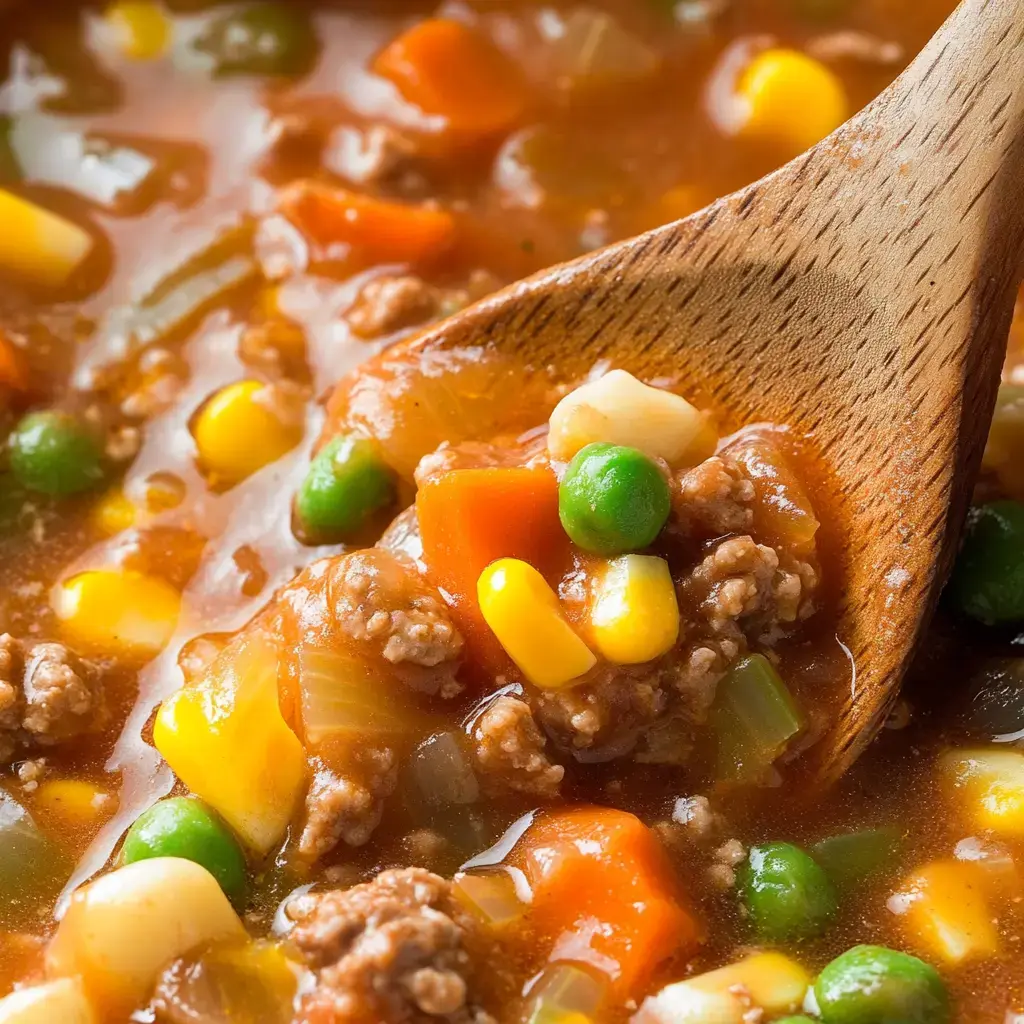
(450, 70)
(13, 373)
(368, 230)
(471, 517)
(604, 892)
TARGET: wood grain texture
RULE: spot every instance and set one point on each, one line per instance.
(862, 294)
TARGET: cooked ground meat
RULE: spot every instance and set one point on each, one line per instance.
(397, 950)
(713, 499)
(509, 749)
(48, 695)
(391, 303)
(347, 807)
(376, 154)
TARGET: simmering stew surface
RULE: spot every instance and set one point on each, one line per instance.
(348, 679)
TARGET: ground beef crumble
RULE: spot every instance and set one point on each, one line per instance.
(509, 749)
(391, 303)
(48, 695)
(713, 499)
(398, 950)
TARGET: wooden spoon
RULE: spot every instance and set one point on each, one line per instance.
(862, 294)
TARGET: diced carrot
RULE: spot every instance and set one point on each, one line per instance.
(604, 893)
(13, 373)
(471, 517)
(361, 231)
(450, 70)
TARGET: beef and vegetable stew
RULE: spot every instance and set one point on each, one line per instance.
(346, 678)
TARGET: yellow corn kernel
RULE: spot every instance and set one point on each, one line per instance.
(990, 787)
(243, 428)
(39, 245)
(619, 409)
(122, 930)
(142, 29)
(769, 982)
(945, 912)
(226, 739)
(790, 99)
(117, 612)
(634, 616)
(61, 1001)
(524, 614)
(114, 513)
(72, 802)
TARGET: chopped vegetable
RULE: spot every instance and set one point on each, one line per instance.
(619, 409)
(74, 803)
(443, 772)
(185, 827)
(567, 994)
(142, 28)
(13, 371)
(244, 427)
(62, 1000)
(32, 867)
(612, 499)
(988, 579)
(37, 245)
(470, 518)
(790, 99)
(449, 70)
(634, 614)
(873, 983)
(769, 982)
(524, 614)
(491, 895)
(122, 929)
(853, 856)
(226, 739)
(989, 785)
(117, 612)
(1006, 440)
(56, 453)
(787, 894)
(754, 717)
(346, 485)
(944, 912)
(260, 39)
(602, 884)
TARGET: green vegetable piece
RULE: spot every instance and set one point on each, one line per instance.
(346, 484)
(798, 1019)
(854, 856)
(262, 39)
(988, 580)
(753, 718)
(186, 827)
(55, 453)
(876, 985)
(33, 868)
(612, 499)
(786, 892)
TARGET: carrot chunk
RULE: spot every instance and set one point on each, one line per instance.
(603, 893)
(360, 230)
(13, 373)
(471, 517)
(450, 70)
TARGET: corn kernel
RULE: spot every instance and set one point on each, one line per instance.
(990, 785)
(242, 429)
(945, 912)
(634, 616)
(619, 409)
(142, 29)
(114, 513)
(524, 614)
(37, 244)
(73, 803)
(61, 1001)
(790, 99)
(117, 611)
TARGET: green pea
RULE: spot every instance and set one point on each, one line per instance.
(262, 39)
(55, 453)
(612, 499)
(346, 484)
(876, 985)
(988, 580)
(787, 895)
(186, 827)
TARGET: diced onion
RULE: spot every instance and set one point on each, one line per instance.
(490, 894)
(443, 772)
(567, 994)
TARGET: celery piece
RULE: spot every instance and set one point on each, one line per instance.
(754, 717)
(852, 856)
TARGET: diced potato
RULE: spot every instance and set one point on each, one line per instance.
(945, 912)
(121, 930)
(227, 741)
(38, 245)
(990, 787)
(56, 1002)
(619, 409)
